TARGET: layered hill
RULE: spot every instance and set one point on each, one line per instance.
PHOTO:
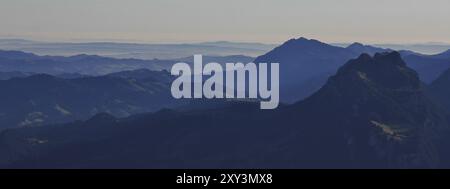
(43, 99)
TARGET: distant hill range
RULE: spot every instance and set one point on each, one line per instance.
(305, 63)
(423, 48)
(440, 89)
(43, 99)
(177, 50)
(357, 106)
(137, 50)
(18, 61)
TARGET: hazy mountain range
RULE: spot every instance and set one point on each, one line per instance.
(306, 64)
(373, 113)
(135, 50)
(423, 48)
(357, 106)
(18, 61)
(176, 50)
(43, 99)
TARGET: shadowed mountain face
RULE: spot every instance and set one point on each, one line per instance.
(440, 89)
(42, 99)
(372, 113)
(378, 114)
(429, 67)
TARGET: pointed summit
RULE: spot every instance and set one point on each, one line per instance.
(304, 65)
(304, 43)
(384, 69)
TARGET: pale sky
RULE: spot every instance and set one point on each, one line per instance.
(268, 21)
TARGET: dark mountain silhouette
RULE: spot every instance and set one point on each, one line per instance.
(440, 89)
(377, 111)
(372, 114)
(42, 99)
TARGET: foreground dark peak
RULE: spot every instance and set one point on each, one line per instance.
(387, 58)
(382, 80)
(440, 89)
(377, 113)
(386, 69)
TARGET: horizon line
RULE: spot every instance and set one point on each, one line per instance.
(144, 42)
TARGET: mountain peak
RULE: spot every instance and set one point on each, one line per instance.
(387, 58)
(384, 69)
(305, 62)
(393, 57)
(303, 41)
